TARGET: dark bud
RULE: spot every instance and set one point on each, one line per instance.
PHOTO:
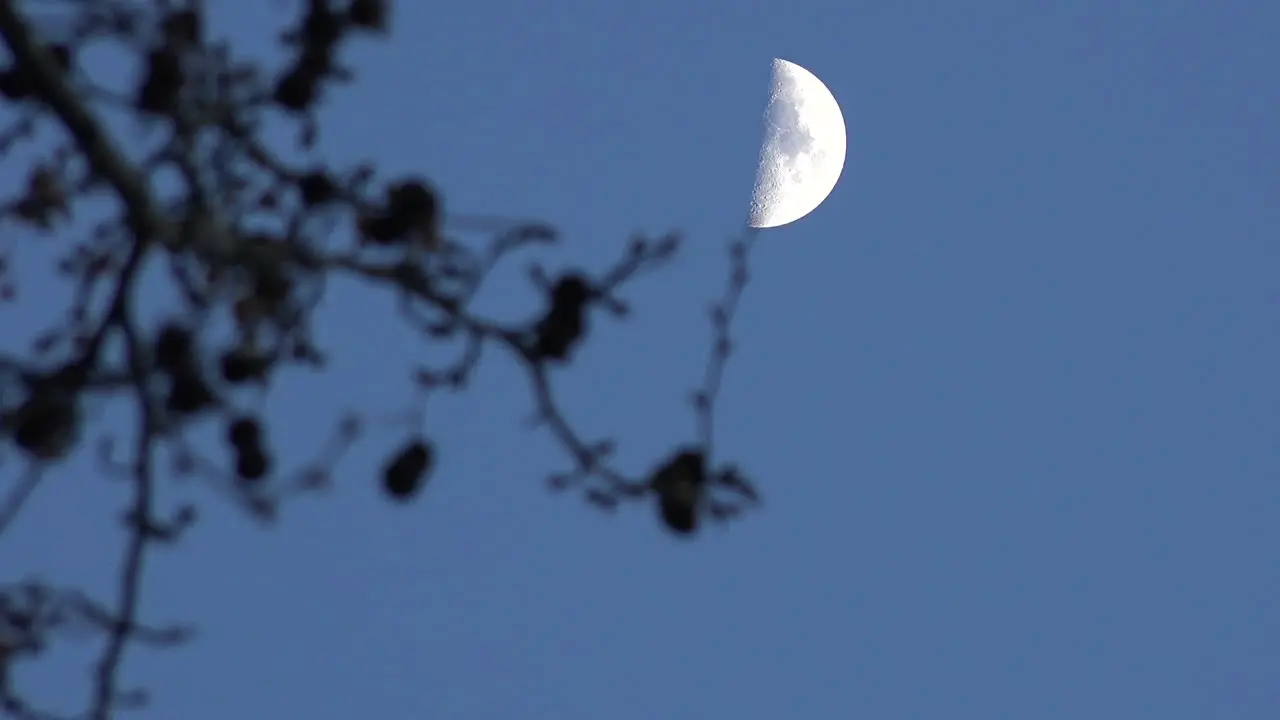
(368, 14)
(322, 26)
(411, 199)
(379, 230)
(243, 432)
(565, 322)
(317, 63)
(252, 463)
(558, 333)
(317, 188)
(412, 208)
(47, 424)
(679, 484)
(571, 291)
(189, 394)
(403, 477)
(242, 365)
(174, 349)
(162, 82)
(679, 516)
(297, 90)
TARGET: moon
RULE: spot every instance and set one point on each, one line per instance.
(803, 151)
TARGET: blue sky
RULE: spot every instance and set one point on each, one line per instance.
(1010, 392)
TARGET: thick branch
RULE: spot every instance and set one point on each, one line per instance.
(104, 158)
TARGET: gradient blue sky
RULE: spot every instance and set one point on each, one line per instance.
(1010, 392)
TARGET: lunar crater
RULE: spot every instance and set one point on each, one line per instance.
(802, 155)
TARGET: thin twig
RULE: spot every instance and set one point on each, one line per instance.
(18, 497)
(722, 315)
(130, 591)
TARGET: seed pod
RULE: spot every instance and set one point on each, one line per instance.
(317, 188)
(241, 365)
(47, 425)
(252, 463)
(680, 484)
(189, 394)
(565, 322)
(244, 432)
(368, 14)
(403, 477)
(297, 90)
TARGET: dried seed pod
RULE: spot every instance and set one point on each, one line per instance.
(317, 188)
(565, 323)
(244, 431)
(405, 474)
(47, 425)
(680, 484)
(369, 14)
(242, 365)
(411, 203)
(189, 394)
(297, 90)
(252, 463)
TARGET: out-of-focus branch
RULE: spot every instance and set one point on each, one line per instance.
(104, 158)
(17, 497)
(254, 238)
(722, 315)
(106, 677)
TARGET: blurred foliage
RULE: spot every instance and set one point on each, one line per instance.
(248, 239)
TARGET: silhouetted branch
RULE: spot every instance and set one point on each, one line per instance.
(251, 236)
(722, 315)
(36, 61)
(13, 501)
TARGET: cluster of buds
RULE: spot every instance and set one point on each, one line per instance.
(322, 29)
(411, 212)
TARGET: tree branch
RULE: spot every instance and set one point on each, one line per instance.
(722, 315)
(106, 682)
(104, 158)
(251, 238)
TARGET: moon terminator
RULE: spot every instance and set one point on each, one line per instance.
(803, 152)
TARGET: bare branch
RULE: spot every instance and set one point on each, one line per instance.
(16, 498)
(722, 315)
(248, 236)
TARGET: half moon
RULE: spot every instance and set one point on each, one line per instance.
(803, 151)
